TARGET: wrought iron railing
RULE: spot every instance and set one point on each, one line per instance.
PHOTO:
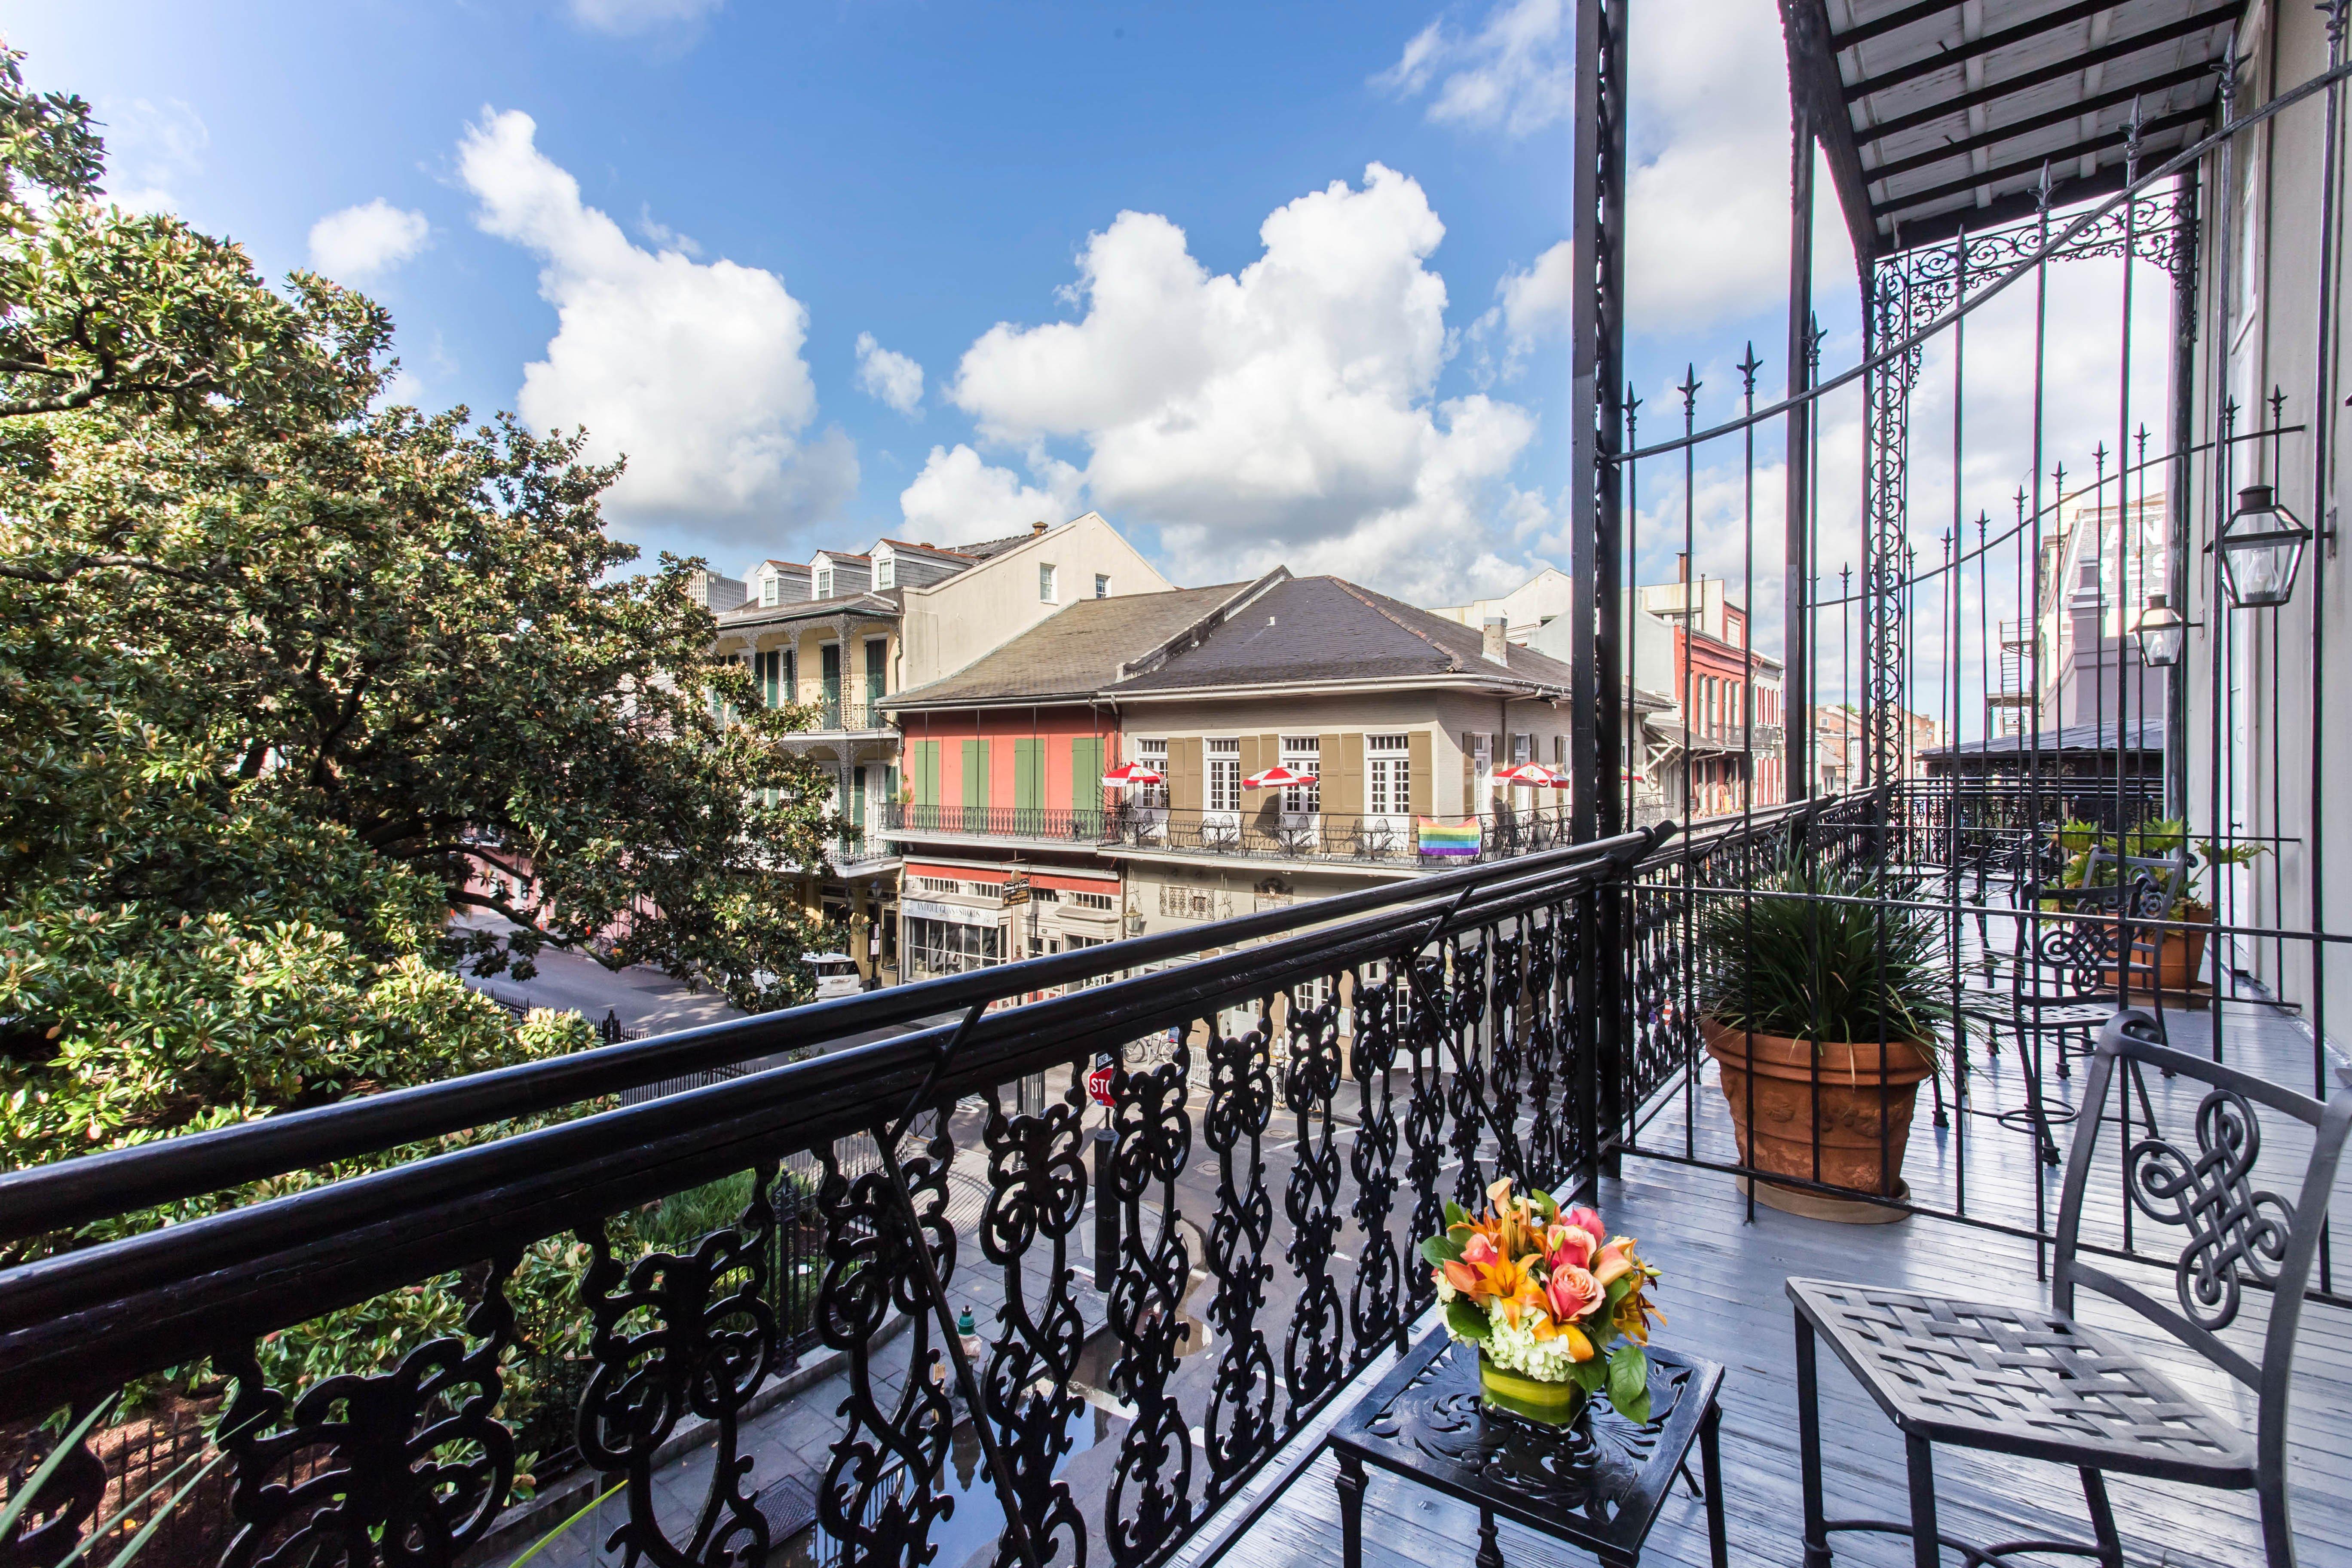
(1449, 1022)
(1398, 839)
(832, 714)
(1058, 822)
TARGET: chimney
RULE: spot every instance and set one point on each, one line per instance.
(1682, 567)
(1036, 528)
(1492, 644)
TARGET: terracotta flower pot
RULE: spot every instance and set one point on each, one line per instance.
(2179, 957)
(2182, 957)
(1777, 1123)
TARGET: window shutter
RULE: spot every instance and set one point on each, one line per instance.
(975, 775)
(1252, 763)
(1184, 773)
(1469, 772)
(1343, 774)
(1423, 790)
(1028, 775)
(1085, 774)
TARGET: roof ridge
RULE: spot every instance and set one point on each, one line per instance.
(1454, 664)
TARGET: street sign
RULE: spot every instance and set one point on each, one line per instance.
(1016, 892)
(1099, 1084)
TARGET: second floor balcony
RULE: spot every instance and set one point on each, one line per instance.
(1390, 841)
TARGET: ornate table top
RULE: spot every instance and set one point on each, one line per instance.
(1597, 1483)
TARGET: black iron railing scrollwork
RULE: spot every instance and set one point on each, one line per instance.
(1435, 1019)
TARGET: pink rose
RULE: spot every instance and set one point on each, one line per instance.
(1566, 1245)
(1589, 1219)
(1616, 1259)
(1572, 1293)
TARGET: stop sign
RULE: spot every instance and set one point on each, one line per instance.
(1099, 1084)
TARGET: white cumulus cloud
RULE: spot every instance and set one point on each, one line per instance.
(1286, 412)
(960, 496)
(693, 370)
(624, 19)
(1512, 74)
(1707, 176)
(891, 377)
(362, 241)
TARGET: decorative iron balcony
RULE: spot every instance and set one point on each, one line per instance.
(1057, 823)
(875, 1189)
(847, 715)
(634, 1254)
(1400, 840)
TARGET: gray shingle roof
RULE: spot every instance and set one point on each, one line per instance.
(1325, 629)
(1074, 653)
(864, 602)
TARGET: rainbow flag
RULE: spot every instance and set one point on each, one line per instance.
(1447, 837)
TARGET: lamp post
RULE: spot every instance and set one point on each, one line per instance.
(2261, 548)
(2160, 632)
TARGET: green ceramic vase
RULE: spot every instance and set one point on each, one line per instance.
(1553, 1403)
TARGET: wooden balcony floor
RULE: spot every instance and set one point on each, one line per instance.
(1723, 1295)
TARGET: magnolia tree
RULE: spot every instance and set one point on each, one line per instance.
(288, 678)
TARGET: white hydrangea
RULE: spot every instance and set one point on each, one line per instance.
(1515, 1348)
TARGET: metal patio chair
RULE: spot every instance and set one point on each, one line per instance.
(2038, 1383)
(2080, 952)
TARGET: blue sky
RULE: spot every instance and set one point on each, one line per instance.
(1326, 331)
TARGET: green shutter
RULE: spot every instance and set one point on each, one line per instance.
(857, 799)
(876, 663)
(975, 781)
(1028, 775)
(1086, 781)
(927, 773)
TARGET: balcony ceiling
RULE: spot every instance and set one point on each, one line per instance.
(1938, 115)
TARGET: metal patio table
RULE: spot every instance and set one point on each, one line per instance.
(1597, 1484)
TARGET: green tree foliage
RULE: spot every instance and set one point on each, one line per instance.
(288, 676)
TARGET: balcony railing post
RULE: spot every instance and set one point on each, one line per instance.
(1105, 1209)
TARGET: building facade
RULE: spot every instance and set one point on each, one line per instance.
(1390, 720)
(841, 632)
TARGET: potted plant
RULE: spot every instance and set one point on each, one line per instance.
(2180, 957)
(1556, 1306)
(1820, 1003)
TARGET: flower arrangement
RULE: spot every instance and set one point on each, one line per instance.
(1549, 1298)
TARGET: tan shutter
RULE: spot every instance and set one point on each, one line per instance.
(1343, 774)
(1184, 773)
(1469, 772)
(1424, 783)
(1252, 762)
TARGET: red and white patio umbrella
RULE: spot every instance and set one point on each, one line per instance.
(1531, 776)
(1132, 774)
(1279, 777)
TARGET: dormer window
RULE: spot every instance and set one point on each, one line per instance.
(824, 583)
(885, 571)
